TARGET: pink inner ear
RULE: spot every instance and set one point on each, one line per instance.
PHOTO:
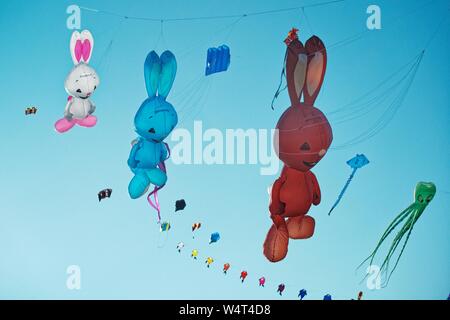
(86, 50)
(78, 50)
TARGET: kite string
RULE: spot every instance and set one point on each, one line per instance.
(282, 76)
(308, 24)
(378, 86)
(155, 202)
(365, 106)
(398, 101)
(387, 115)
(230, 16)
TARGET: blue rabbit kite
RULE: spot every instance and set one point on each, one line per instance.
(154, 121)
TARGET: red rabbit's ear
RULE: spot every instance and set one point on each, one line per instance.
(296, 63)
(315, 72)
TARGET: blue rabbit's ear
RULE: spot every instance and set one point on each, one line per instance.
(168, 72)
(152, 72)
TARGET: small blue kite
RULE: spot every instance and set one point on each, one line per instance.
(217, 59)
(355, 163)
(302, 293)
(214, 237)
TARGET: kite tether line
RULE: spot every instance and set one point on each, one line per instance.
(214, 17)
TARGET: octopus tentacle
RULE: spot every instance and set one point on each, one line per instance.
(398, 238)
(389, 229)
(416, 216)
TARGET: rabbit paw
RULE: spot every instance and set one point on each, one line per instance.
(138, 186)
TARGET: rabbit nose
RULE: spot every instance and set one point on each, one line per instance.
(322, 152)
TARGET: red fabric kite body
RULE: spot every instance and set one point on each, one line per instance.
(301, 141)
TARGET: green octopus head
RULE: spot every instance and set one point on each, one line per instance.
(424, 193)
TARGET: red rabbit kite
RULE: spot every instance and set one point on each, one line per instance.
(302, 139)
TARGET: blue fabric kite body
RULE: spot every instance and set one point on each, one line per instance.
(302, 293)
(217, 59)
(153, 122)
(355, 163)
(214, 237)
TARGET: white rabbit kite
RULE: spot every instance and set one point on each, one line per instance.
(80, 84)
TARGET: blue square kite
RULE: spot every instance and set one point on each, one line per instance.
(217, 59)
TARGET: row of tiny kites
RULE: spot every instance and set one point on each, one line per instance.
(215, 237)
(261, 281)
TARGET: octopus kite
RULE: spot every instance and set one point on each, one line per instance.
(302, 139)
(423, 195)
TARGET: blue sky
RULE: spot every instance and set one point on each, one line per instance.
(50, 217)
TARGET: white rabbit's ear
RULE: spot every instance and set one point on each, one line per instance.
(317, 64)
(88, 45)
(76, 36)
(81, 46)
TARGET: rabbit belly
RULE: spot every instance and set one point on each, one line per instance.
(148, 155)
(80, 108)
(296, 195)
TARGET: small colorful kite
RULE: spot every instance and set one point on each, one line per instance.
(180, 246)
(194, 254)
(105, 193)
(423, 194)
(195, 226)
(180, 205)
(327, 297)
(217, 59)
(30, 110)
(360, 294)
(214, 237)
(262, 281)
(208, 261)
(226, 266)
(244, 275)
(302, 293)
(165, 226)
(355, 163)
(281, 288)
(292, 35)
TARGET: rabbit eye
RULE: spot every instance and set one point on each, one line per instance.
(95, 87)
(79, 90)
(305, 146)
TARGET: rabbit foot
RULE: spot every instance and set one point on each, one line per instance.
(89, 121)
(157, 177)
(275, 246)
(63, 125)
(138, 186)
(301, 227)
